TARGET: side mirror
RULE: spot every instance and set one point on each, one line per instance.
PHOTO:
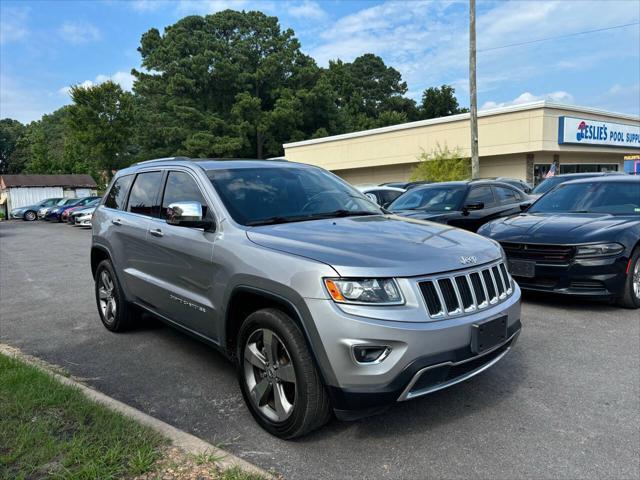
(187, 214)
(524, 206)
(474, 206)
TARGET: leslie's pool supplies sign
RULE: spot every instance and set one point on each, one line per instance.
(595, 132)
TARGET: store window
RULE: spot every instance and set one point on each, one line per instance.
(541, 169)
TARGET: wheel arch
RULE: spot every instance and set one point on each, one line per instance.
(98, 254)
(245, 299)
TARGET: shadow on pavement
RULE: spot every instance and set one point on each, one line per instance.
(567, 301)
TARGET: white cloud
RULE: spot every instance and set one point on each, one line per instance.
(79, 32)
(124, 79)
(147, 5)
(13, 24)
(210, 6)
(527, 97)
(307, 9)
(621, 98)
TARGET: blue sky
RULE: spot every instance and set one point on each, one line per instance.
(45, 46)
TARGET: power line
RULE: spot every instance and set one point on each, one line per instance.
(559, 36)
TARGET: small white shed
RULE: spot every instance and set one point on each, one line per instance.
(21, 190)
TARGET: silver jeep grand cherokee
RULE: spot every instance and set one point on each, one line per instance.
(325, 302)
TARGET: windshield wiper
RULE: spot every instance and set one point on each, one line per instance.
(312, 216)
(272, 221)
(342, 213)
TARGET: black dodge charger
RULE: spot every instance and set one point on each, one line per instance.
(581, 238)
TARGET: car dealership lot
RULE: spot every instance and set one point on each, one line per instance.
(564, 404)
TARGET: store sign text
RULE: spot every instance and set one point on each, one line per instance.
(592, 132)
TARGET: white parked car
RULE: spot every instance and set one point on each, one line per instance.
(382, 195)
(82, 218)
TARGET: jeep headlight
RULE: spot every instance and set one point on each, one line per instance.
(377, 291)
(599, 250)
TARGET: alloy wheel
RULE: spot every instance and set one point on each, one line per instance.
(269, 375)
(106, 297)
(30, 216)
(635, 280)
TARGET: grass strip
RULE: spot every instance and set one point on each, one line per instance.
(50, 430)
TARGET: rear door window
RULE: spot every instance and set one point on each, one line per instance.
(389, 196)
(482, 194)
(117, 195)
(505, 195)
(143, 199)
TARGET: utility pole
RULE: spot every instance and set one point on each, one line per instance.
(473, 116)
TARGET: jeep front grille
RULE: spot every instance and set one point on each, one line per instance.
(467, 291)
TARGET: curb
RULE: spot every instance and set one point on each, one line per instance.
(179, 438)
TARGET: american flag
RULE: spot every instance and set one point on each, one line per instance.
(551, 172)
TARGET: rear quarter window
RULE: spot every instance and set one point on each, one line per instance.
(117, 195)
(143, 198)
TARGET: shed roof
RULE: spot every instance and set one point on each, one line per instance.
(71, 180)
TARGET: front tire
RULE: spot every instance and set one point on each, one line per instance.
(631, 295)
(277, 375)
(30, 216)
(115, 312)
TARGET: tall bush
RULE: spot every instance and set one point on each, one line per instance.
(442, 165)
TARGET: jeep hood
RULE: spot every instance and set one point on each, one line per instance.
(569, 228)
(377, 246)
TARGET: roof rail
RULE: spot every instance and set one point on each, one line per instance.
(161, 160)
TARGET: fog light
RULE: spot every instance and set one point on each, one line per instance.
(371, 353)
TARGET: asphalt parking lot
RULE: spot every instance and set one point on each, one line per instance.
(564, 404)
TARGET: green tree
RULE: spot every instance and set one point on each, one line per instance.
(442, 165)
(11, 134)
(369, 94)
(228, 84)
(101, 120)
(44, 143)
(440, 102)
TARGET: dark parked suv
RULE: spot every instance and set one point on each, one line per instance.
(466, 204)
(324, 301)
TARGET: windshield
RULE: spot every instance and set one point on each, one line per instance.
(66, 201)
(267, 195)
(617, 198)
(431, 199)
(549, 183)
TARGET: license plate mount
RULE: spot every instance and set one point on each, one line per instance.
(486, 335)
(522, 268)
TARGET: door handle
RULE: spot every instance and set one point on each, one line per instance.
(156, 233)
(116, 221)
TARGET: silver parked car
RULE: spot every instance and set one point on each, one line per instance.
(324, 302)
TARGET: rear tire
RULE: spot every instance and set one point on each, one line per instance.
(277, 375)
(116, 314)
(631, 295)
(30, 216)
